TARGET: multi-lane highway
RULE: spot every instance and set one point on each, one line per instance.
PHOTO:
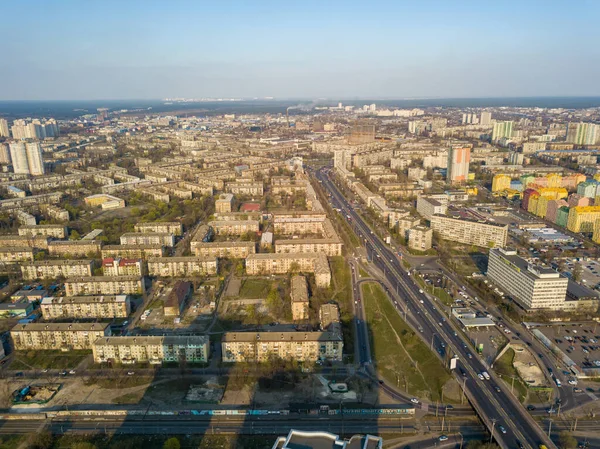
(510, 423)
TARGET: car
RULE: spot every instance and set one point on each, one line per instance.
(463, 373)
(19, 374)
(497, 388)
(45, 370)
(130, 373)
(572, 382)
(414, 400)
(72, 371)
(577, 390)
(501, 428)
(443, 438)
(63, 373)
(469, 355)
(480, 376)
(531, 408)
(420, 291)
(521, 446)
(449, 407)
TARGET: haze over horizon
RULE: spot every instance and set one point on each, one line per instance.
(136, 50)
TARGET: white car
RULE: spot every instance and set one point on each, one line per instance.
(420, 291)
(72, 371)
(480, 376)
(414, 400)
(443, 438)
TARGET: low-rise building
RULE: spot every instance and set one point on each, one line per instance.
(420, 238)
(468, 232)
(329, 247)
(167, 227)
(104, 306)
(152, 349)
(428, 207)
(57, 336)
(245, 188)
(105, 285)
(13, 254)
(236, 227)
(299, 298)
(252, 347)
(36, 241)
(317, 439)
(133, 251)
(149, 238)
(224, 203)
(122, 267)
(105, 201)
(175, 301)
(74, 248)
(53, 269)
(15, 309)
(229, 250)
(262, 264)
(182, 266)
(55, 231)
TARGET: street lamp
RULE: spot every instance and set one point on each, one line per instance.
(493, 426)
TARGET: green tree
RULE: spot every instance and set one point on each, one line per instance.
(172, 443)
(74, 235)
(83, 445)
(566, 440)
(577, 272)
(40, 440)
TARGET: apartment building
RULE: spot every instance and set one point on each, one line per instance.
(262, 264)
(149, 238)
(468, 232)
(532, 287)
(53, 269)
(182, 266)
(298, 225)
(104, 306)
(224, 203)
(36, 241)
(167, 227)
(583, 218)
(420, 238)
(234, 227)
(299, 298)
(329, 247)
(74, 248)
(245, 188)
(152, 349)
(13, 254)
(252, 347)
(428, 207)
(175, 301)
(122, 267)
(133, 251)
(229, 250)
(55, 231)
(105, 285)
(57, 336)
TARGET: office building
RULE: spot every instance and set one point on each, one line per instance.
(154, 350)
(54, 269)
(57, 336)
(86, 307)
(459, 158)
(299, 298)
(468, 232)
(502, 130)
(532, 287)
(252, 347)
(182, 266)
(105, 285)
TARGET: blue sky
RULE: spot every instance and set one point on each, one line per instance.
(307, 49)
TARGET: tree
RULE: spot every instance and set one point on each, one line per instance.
(40, 440)
(83, 445)
(566, 440)
(74, 235)
(577, 272)
(172, 443)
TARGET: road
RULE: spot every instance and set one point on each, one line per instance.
(496, 409)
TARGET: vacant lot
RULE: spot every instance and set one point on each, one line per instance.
(255, 288)
(400, 355)
(26, 360)
(504, 367)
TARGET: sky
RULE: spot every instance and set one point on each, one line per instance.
(84, 50)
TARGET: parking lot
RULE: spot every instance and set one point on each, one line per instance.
(590, 274)
(580, 342)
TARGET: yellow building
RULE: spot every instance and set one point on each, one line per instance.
(501, 182)
(553, 193)
(554, 180)
(533, 202)
(542, 206)
(596, 236)
(583, 218)
(299, 298)
(596, 177)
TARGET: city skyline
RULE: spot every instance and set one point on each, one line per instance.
(337, 50)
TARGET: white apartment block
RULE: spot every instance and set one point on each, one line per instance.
(428, 207)
(53, 269)
(122, 267)
(420, 238)
(56, 231)
(470, 232)
(172, 227)
(57, 336)
(245, 188)
(267, 263)
(105, 306)
(105, 285)
(182, 266)
(149, 238)
(532, 287)
(13, 254)
(229, 250)
(152, 349)
(299, 298)
(133, 251)
(329, 247)
(74, 248)
(234, 227)
(252, 347)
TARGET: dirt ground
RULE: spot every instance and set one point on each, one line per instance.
(527, 367)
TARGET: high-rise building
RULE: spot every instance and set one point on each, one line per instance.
(502, 129)
(459, 157)
(34, 158)
(4, 132)
(583, 133)
(486, 118)
(18, 155)
(36, 129)
(4, 154)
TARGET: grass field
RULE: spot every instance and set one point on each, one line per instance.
(438, 292)
(47, 359)
(363, 273)
(11, 441)
(255, 288)
(504, 367)
(400, 355)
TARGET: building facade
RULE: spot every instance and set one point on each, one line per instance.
(470, 232)
(86, 307)
(53, 269)
(182, 266)
(105, 285)
(57, 336)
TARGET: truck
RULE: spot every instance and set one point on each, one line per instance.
(485, 375)
(388, 240)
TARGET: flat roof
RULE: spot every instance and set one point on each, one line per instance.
(153, 340)
(249, 337)
(96, 299)
(74, 327)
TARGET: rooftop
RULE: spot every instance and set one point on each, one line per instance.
(250, 337)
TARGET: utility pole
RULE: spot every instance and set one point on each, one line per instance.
(462, 397)
(512, 386)
(493, 426)
(549, 426)
(461, 440)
